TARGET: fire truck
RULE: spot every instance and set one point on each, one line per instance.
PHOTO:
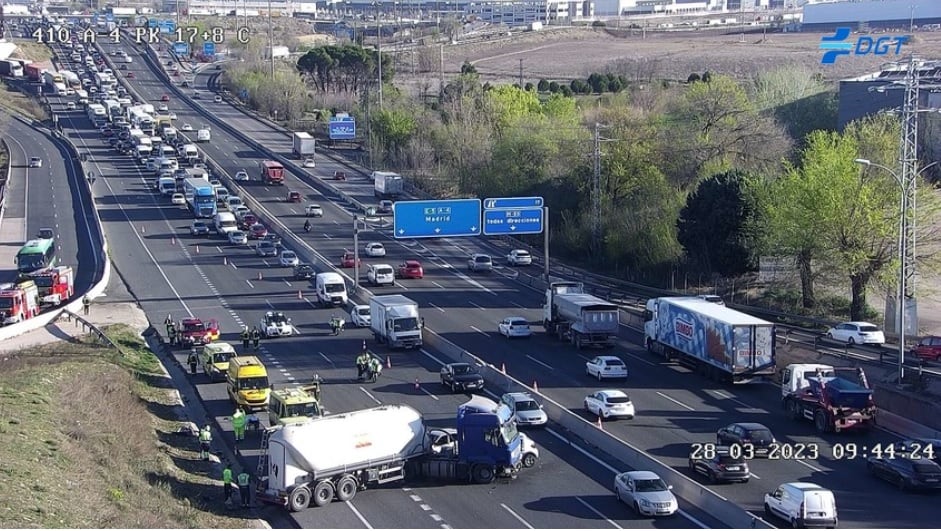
(195, 332)
(18, 302)
(56, 284)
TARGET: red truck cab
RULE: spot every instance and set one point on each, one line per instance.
(194, 332)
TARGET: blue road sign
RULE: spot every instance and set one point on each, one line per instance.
(343, 128)
(436, 219)
(181, 48)
(513, 202)
(153, 23)
(167, 26)
(209, 48)
(109, 17)
(513, 221)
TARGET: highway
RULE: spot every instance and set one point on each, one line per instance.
(170, 272)
(48, 197)
(674, 408)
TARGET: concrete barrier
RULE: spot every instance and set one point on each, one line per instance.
(6, 180)
(692, 492)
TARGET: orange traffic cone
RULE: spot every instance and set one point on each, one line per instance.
(300, 296)
(388, 362)
(600, 425)
(535, 386)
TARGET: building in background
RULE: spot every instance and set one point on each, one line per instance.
(871, 14)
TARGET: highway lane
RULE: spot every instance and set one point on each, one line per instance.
(294, 356)
(51, 198)
(675, 414)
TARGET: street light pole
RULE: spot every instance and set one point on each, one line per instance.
(270, 43)
(379, 50)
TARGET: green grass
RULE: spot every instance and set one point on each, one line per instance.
(87, 442)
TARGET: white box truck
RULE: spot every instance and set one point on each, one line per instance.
(394, 320)
(304, 145)
(387, 184)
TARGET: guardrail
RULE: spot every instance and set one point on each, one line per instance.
(6, 179)
(88, 327)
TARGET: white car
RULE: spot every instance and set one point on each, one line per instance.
(215, 183)
(288, 258)
(527, 411)
(70, 106)
(241, 175)
(238, 237)
(309, 163)
(172, 115)
(606, 367)
(857, 332)
(178, 199)
(374, 250)
(514, 327)
(275, 324)
(609, 403)
(35, 162)
(519, 257)
(480, 262)
(646, 493)
(162, 107)
(240, 211)
(186, 127)
(360, 315)
(234, 202)
(313, 210)
(380, 274)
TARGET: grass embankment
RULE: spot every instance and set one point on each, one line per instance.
(89, 439)
(12, 101)
(32, 50)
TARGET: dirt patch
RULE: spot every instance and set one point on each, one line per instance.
(32, 50)
(88, 439)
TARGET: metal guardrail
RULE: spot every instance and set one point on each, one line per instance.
(89, 327)
(6, 179)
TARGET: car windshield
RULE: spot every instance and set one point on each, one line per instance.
(405, 324)
(614, 363)
(509, 432)
(868, 328)
(760, 435)
(43, 281)
(618, 399)
(253, 383)
(364, 312)
(650, 485)
(288, 255)
(265, 246)
(238, 234)
(482, 259)
(383, 270)
(518, 322)
(522, 254)
(199, 225)
(6, 303)
(729, 460)
(309, 409)
(277, 319)
(527, 405)
(194, 327)
(335, 288)
(221, 357)
(463, 369)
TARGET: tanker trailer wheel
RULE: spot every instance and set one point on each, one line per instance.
(346, 488)
(323, 493)
(299, 499)
(483, 474)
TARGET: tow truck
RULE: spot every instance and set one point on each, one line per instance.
(55, 284)
(194, 332)
(816, 392)
(275, 324)
(294, 404)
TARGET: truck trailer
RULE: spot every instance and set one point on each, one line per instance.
(394, 320)
(833, 403)
(304, 145)
(585, 320)
(338, 455)
(388, 185)
(721, 343)
(33, 72)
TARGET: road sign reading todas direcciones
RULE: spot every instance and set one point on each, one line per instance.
(513, 221)
(436, 219)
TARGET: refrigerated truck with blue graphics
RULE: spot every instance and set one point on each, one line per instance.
(200, 196)
(721, 343)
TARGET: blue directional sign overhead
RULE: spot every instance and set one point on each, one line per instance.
(343, 128)
(167, 26)
(209, 48)
(513, 202)
(436, 219)
(513, 221)
(109, 17)
(181, 48)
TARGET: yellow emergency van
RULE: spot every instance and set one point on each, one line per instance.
(247, 382)
(214, 358)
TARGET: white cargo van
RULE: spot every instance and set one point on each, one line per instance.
(331, 289)
(203, 135)
(167, 185)
(224, 222)
(802, 505)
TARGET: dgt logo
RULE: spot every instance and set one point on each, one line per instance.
(865, 45)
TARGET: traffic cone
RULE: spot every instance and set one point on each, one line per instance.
(300, 296)
(417, 385)
(259, 275)
(535, 386)
(388, 362)
(503, 368)
(600, 425)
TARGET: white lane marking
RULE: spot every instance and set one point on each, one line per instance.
(475, 305)
(324, 356)
(359, 515)
(518, 517)
(726, 396)
(415, 498)
(479, 330)
(269, 304)
(436, 284)
(400, 285)
(753, 475)
(376, 400)
(638, 358)
(810, 466)
(675, 401)
(249, 282)
(610, 468)
(518, 305)
(534, 360)
(427, 392)
(425, 352)
(424, 507)
(231, 263)
(327, 236)
(288, 283)
(436, 307)
(597, 512)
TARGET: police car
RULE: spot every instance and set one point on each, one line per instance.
(275, 324)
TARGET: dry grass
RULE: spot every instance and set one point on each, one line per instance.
(32, 50)
(87, 442)
(12, 101)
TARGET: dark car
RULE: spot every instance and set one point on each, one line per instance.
(927, 448)
(272, 238)
(303, 272)
(339, 175)
(929, 348)
(461, 377)
(758, 436)
(718, 465)
(264, 249)
(906, 472)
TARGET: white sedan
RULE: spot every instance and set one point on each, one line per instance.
(514, 327)
(374, 249)
(178, 199)
(519, 257)
(186, 127)
(309, 163)
(241, 175)
(606, 367)
(360, 315)
(163, 108)
(609, 403)
(288, 259)
(646, 493)
(857, 332)
(238, 237)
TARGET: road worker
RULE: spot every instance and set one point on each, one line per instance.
(246, 337)
(227, 482)
(375, 369)
(171, 333)
(205, 442)
(193, 360)
(362, 363)
(238, 424)
(256, 337)
(244, 482)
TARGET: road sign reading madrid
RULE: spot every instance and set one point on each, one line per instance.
(513, 221)
(436, 219)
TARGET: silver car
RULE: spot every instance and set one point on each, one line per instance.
(527, 411)
(646, 493)
(480, 262)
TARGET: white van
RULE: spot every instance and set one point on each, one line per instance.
(234, 202)
(380, 274)
(224, 222)
(203, 135)
(802, 505)
(331, 289)
(167, 185)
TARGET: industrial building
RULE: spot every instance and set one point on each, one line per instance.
(871, 14)
(868, 94)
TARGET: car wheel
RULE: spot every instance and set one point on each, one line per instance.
(852, 340)
(712, 476)
(830, 336)
(599, 376)
(768, 513)
(617, 493)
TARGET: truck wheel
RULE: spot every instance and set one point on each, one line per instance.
(299, 499)
(578, 342)
(483, 474)
(346, 488)
(820, 421)
(793, 409)
(323, 493)
(529, 460)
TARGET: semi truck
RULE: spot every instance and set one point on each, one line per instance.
(585, 320)
(338, 455)
(18, 302)
(721, 343)
(387, 185)
(394, 320)
(304, 145)
(33, 72)
(12, 68)
(815, 392)
(55, 284)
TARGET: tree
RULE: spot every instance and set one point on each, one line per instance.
(694, 77)
(530, 87)
(614, 84)
(598, 82)
(553, 87)
(707, 77)
(543, 85)
(578, 85)
(798, 98)
(393, 129)
(468, 68)
(565, 91)
(717, 227)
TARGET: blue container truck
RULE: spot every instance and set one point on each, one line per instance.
(721, 343)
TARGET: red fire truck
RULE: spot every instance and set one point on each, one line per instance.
(18, 302)
(56, 285)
